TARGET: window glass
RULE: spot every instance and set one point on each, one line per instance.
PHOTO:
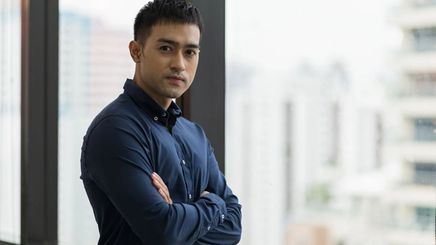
(425, 173)
(425, 129)
(421, 84)
(425, 217)
(10, 132)
(329, 115)
(94, 63)
(425, 39)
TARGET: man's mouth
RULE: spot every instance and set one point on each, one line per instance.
(176, 79)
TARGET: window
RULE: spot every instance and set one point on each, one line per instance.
(94, 62)
(425, 217)
(425, 129)
(425, 39)
(425, 173)
(422, 84)
(313, 130)
(10, 121)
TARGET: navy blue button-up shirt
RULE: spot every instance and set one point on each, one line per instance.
(133, 137)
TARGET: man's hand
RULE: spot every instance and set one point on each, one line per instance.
(161, 187)
(159, 184)
(204, 193)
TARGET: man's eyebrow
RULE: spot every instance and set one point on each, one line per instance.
(174, 43)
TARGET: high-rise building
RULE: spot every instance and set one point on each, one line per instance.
(254, 165)
(291, 147)
(411, 204)
(74, 82)
(110, 64)
(332, 144)
(94, 62)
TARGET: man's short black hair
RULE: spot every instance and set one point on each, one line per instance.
(165, 11)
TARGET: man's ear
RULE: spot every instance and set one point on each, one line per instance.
(135, 51)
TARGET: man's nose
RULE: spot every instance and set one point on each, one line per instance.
(178, 62)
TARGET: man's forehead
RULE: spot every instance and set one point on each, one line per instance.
(176, 32)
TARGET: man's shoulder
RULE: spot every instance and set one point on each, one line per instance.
(121, 106)
(120, 111)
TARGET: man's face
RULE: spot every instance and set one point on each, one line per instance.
(167, 61)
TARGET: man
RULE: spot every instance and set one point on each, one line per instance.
(150, 174)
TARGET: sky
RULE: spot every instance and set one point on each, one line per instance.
(315, 31)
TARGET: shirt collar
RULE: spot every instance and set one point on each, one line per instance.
(153, 109)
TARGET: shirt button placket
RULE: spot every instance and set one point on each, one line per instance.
(189, 194)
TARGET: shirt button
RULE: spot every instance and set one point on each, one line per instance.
(183, 161)
(208, 228)
(222, 216)
(190, 196)
(164, 114)
(155, 118)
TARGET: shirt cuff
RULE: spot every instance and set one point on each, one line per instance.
(222, 210)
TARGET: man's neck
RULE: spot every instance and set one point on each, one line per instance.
(164, 103)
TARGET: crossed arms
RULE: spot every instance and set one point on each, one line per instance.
(121, 167)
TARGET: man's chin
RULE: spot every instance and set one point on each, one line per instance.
(175, 94)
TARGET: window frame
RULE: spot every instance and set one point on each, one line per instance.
(39, 121)
(204, 102)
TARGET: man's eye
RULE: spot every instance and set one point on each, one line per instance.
(191, 52)
(165, 48)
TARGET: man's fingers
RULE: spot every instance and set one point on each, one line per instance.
(162, 191)
(164, 195)
(159, 179)
(159, 184)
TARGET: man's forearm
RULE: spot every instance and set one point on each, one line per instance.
(229, 232)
